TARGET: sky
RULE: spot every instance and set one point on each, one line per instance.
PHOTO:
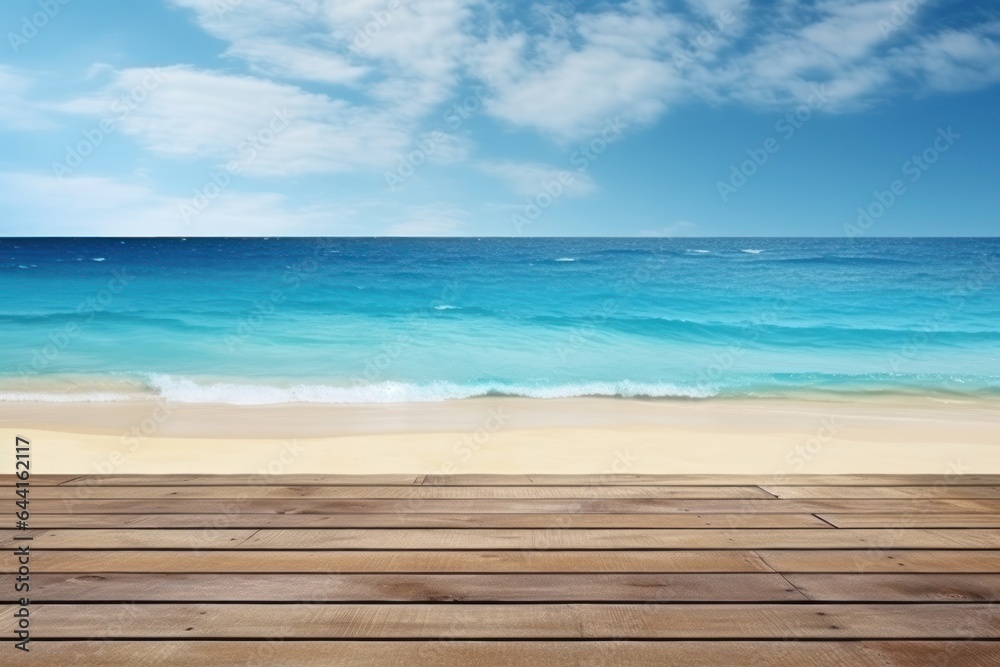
(474, 118)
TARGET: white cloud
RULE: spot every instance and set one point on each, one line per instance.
(272, 129)
(623, 61)
(567, 74)
(278, 37)
(439, 219)
(17, 110)
(99, 206)
(364, 82)
(620, 69)
(530, 178)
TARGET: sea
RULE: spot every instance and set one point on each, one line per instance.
(394, 320)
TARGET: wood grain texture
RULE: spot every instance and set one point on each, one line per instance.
(315, 588)
(532, 570)
(457, 653)
(487, 621)
(621, 539)
(714, 480)
(887, 492)
(404, 492)
(881, 560)
(951, 587)
(390, 561)
(440, 520)
(917, 520)
(38, 480)
(84, 503)
(510, 538)
(245, 480)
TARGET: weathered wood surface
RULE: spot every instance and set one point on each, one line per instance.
(513, 570)
(445, 652)
(499, 621)
(87, 504)
(221, 537)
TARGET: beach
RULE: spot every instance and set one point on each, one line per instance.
(503, 435)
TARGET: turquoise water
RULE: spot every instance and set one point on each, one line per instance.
(391, 320)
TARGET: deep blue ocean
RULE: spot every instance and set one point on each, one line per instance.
(395, 320)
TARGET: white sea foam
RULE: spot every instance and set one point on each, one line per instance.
(97, 259)
(752, 251)
(699, 252)
(566, 259)
(446, 307)
(184, 390)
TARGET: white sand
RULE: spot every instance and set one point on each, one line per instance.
(510, 435)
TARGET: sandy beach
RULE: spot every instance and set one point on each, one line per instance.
(777, 437)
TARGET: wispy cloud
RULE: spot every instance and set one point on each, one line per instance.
(530, 178)
(17, 108)
(87, 205)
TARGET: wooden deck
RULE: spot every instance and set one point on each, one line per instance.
(508, 570)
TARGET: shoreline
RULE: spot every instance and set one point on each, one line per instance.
(771, 436)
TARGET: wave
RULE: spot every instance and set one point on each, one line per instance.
(757, 333)
(840, 260)
(185, 390)
(752, 251)
(175, 389)
(566, 259)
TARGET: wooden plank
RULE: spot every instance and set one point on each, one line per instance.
(943, 491)
(713, 480)
(247, 480)
(457, 653)
(130, 539)
(404, 492)
(508, 480)
(803, 538)
(37, 480)
(918, 520)
(389, 561)
(193, 521)
(513, 538)
(881, 560)
(962, 587)
(382, 587)
(488, 621)
(506, 506)
(943, 654)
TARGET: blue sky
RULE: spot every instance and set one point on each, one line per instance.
(473, 118)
